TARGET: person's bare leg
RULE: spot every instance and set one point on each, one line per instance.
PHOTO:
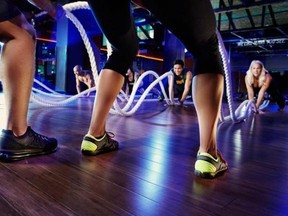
(17, 71)
(207, 97)
(108, 87)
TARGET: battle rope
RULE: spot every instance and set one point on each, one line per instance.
(241, 113)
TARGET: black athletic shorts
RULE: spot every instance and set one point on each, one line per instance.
(195, 27)
(8, 10)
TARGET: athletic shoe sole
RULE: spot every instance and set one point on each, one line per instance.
(6, 156)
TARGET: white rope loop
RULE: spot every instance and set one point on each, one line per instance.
(241, 113)
(124, 111)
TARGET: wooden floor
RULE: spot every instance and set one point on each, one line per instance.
(152, 172)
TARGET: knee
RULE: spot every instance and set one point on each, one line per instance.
(25, 30)
(26, 36)
(27, 40)
(30, 33)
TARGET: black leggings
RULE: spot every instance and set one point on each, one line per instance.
(8, 10)
(192, 21)
(276, 95)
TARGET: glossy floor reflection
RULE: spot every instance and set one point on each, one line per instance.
(152, 173)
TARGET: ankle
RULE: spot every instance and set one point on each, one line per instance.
(97, 134)
(96, 137)
(212, 152)
(19, 133)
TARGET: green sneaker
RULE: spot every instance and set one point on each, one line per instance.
(92, 146)
(207, 166)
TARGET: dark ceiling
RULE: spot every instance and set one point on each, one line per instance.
(247, 26)
(250, 26)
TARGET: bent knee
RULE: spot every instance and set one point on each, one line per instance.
(17, 28)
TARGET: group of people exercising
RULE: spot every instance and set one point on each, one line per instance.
(19, 141)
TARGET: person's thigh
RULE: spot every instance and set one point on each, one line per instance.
(193, 22)
(117, 24)
(16, 27)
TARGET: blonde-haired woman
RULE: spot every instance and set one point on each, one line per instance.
(258, 81)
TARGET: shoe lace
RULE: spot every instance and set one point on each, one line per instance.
(221, 157)
(111, 142)
(110, 135)
(38, 138)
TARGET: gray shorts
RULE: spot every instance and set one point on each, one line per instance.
(8, 10)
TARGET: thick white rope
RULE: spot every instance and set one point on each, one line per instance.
(70, 7)
(125, 110)
(242, 112)
(244, 109)
(38, 99)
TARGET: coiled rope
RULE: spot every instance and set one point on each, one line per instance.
(241, 113)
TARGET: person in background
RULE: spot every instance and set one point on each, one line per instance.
(130, 80)
(180, 83)
(18, 140)
(258, 81)
(199, 37)
(83, 76)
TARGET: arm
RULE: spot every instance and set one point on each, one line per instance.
(138, 2)
(250, 90)
(137, 76)
(187, 87)
(126, 88)
(77, 84)
(263, 89)
(90, 80)
(171, 88)
(55, 11)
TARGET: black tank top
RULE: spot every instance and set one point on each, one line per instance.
(179, 81)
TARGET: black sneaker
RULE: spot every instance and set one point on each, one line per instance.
(30, 144)
(92, 146)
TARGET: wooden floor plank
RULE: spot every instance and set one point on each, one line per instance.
(152, 172)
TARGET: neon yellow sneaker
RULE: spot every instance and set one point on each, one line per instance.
(207, 166)
(92, 146)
